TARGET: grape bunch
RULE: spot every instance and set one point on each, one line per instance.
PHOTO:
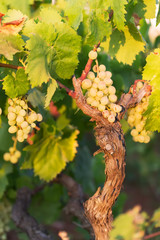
(5, 209)
(13, 155)
(100, 92)
(21, 118)
(137, 121)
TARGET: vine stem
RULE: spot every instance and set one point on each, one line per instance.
(5, 65)
(152, 235)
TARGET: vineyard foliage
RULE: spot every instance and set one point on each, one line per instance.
(49, 43)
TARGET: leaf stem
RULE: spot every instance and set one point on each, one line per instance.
(5, 65)
(152, 235)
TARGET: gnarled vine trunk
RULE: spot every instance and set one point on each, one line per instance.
(110, 138)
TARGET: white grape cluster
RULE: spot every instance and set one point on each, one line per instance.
(5, 210)
(137, 121)
(13, 155)
(100, 92)
(21, 118)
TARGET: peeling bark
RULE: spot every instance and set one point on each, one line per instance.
(110, 138)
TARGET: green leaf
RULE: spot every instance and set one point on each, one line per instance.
(16, 86)
(50, 15)
(118, 8)
(150, 8)
(20, 5)
(51, 153)
(74, 12)
(64, 55)
(158, 16)
(10, 45)
(37, 66)
(98, 29)
(4, 170)
(153, 112)
(156, 218)
(50, 91)
(121, 44)
(36, 98)
(5, 136)
(151, 70)
(13, 15)
(123, 227)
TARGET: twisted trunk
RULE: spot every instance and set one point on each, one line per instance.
(110, 138)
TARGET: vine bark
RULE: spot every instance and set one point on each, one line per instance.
(110, 138)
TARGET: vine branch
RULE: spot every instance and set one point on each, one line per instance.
(152, 235)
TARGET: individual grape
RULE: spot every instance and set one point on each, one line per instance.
(18, 154)
(11, 116)
(111, 118)
(108, 81)
(95, 68)
(20, 132)
(19, 119)
(100, 94)
(112, 98)
(108, 74)
(102, 75)
(95, 85)
(94, 103)
(13, 159)
(102, 68)
(12, 129)
(92, 55)
(11, 123)
(6, 156)
(96, 80)
(33, 125)
(105, 113)
(20, 138)
(24, 124)
(33, 116)
(101, 85)
(139, 127)
(134, 132)
(17, 109)
(104, 100)
(147, 139)
(86, 84)
(11, 149)
(105, 91)
(111, 90)
(98, 49)
(22, 112)
(117, 108)
(90, 100)
(101, 107)
(91, 75)
(22, 103)
(139, 85)
(11, 109)
(92, 92)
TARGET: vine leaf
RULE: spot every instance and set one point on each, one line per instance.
(12, 22)
(156, 218)
(120, 44)
(98, 28)
(48, 56)
(50, 91)
(74, 12)
(4, 170)
(37, 67)
(10, 45)
(119, 11)
(17, 85)
(150, 8)
(50, 16)
(119, 232)
(50, 152)
(151, 69)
